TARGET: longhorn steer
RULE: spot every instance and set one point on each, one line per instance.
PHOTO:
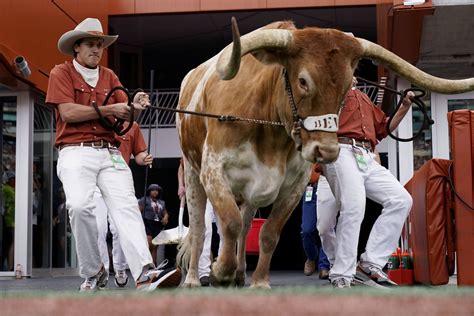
(242, 166)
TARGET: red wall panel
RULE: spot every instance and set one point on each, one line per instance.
(148, 6)
(32, 28)
(218, 5)
(121, 7)
(461, 127)
(317, 3)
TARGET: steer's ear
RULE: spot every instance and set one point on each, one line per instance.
(268, 57)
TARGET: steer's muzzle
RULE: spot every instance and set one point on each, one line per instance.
(321, 153)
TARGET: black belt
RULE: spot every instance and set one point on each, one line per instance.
(97, 144)
(355, 142)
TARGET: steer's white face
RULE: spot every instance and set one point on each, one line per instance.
(318, 91)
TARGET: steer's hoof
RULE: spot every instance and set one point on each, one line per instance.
(191, 283)
(240, 279)
(261, 286)
(215, 282)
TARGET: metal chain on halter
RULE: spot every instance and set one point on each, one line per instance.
(297, 121)
(220, 118)
(230, 118)
(289, 91)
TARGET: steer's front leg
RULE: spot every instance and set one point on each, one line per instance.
(230, 220)
(270, 235)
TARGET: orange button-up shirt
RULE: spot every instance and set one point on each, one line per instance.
(132, 142)
(361, 119)
(66, 85)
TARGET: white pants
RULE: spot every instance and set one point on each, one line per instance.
(326, 203)
(351, 186)
(204, 265)
(102, 217)
(81, 169)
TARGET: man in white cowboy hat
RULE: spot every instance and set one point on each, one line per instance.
(88, 157)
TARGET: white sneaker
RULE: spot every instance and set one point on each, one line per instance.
(159, 278)
(121, 278)
(98, 281)
(341, 283)
(373, 276)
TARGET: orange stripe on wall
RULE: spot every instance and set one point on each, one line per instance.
(147, 6)
(117, 7)
(218, 5)
(121, 7)
(317, 3)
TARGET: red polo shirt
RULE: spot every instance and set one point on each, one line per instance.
(315, 173)
(361, 119)
(66, 85)
(132, 142)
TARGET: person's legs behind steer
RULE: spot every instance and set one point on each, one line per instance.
(116, 184)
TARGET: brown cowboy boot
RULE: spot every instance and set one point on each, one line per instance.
(309, 267)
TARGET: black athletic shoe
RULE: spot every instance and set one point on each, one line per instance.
(204, 280)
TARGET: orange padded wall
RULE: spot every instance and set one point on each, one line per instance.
(430, 235)
(461, 126)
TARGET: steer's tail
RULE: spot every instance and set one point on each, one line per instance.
(184, 253)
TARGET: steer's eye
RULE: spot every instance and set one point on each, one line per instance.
(303, 82)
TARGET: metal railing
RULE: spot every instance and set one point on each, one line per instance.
(43, 118)
(371, 91)
(161, 119)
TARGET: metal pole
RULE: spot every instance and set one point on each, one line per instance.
(152, 75)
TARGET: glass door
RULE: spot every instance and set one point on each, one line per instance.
(53, 243)
(7, 194)
(41, 220)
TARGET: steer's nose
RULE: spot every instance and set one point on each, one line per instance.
(326, 153)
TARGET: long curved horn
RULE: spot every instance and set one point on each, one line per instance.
(410, 72)
(229, 60)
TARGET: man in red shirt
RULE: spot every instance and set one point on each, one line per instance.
(132, 143)
(354, 176)
(88, 157)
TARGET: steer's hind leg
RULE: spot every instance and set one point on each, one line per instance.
(196, 201)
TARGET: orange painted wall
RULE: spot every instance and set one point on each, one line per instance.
(31, 28)
(317, 3)
(161, 6)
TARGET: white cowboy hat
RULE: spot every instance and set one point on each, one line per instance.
(88, 28)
